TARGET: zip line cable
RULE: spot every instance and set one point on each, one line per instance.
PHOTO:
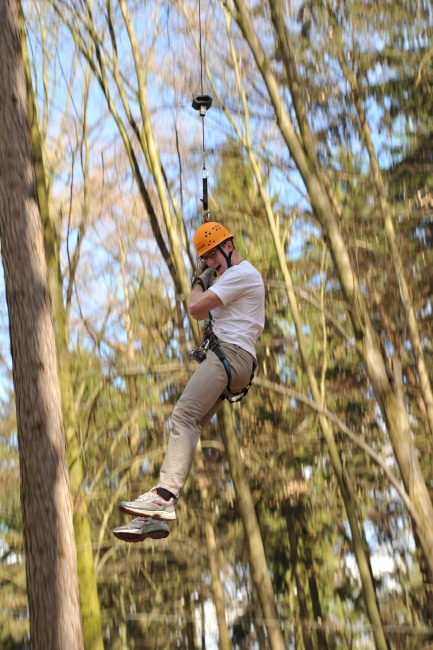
(201, 75)
(201, 55)
(202, 103)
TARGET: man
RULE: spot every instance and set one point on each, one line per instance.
(227, 359)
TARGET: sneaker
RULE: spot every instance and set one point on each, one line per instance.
(140, 529)
(152, 505)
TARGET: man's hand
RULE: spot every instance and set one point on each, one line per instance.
(205, 280)
(201, 302)
(201, 266)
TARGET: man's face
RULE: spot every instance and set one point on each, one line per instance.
(216, 260)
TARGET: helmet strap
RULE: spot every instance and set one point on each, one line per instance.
(228, 257)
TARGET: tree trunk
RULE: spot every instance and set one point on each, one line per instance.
(134, 429)
(212, 552)
(89, 601)
(257, 557)
(258, 619)
(190, 619)
(51, 565)
(203, 623)
(315, 600)
(297, 572)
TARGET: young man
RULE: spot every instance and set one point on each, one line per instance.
(235, 305)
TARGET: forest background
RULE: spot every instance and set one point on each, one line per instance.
(307, 518)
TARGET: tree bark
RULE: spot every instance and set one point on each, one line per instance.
(51, 565)
(89, 601)
(257, 557)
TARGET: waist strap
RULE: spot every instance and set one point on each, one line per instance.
(215, 347)
(211, 342)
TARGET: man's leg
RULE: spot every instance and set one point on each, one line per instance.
(201, 396)
(190, 414)
(198, 403)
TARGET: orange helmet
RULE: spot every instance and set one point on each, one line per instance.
(208, 236)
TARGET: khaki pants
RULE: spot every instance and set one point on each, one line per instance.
(198, 404)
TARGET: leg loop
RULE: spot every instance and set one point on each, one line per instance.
(236, 397)
(211, 342)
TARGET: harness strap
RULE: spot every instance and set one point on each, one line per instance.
(210, 342)
(216, 348)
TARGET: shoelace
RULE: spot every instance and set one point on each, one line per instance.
(146, 495)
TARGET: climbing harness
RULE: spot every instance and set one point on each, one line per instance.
(202, 103)
(211, 342)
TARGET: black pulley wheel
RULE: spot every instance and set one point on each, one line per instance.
(202, 101)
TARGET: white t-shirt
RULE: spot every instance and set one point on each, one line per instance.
(241, 317)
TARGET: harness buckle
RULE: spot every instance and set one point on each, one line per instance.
(199, 354)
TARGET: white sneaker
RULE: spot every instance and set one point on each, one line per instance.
(140, 529)
(150, 504)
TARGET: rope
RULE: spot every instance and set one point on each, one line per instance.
(201, 54)
(202, 103)
(201, 75)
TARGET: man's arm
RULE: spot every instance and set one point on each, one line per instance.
(201, 302)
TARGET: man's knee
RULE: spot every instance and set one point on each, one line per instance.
(182, 417)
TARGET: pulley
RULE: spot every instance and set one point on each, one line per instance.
(202, 103)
